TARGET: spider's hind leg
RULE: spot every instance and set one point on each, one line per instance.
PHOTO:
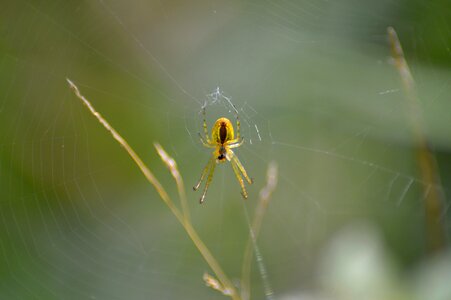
(209, 168)
(212, 164)
(235, 161)
(240, 179)
(204, 173)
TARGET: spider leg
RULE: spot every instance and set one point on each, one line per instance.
(234, 160)
(240, 179)
(212, 164)
(204, 173)
(206, 143)
(238, 125)
(207, 138)
(235, 143)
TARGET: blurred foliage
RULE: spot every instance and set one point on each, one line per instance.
(78, 219)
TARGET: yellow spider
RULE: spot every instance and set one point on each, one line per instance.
(223, 140)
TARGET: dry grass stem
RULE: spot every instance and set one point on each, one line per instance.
(184, 219)
(213, 283)
(265, 196)
(172, 165)
(434, 197)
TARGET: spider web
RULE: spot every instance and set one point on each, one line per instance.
(315, 90)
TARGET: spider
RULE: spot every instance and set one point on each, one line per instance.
(223, 140)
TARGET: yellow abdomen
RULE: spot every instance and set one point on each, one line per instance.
(222, 131)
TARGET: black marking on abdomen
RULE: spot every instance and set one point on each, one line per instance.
(222, 153)
(222, 133)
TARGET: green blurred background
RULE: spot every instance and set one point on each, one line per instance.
(347, 221)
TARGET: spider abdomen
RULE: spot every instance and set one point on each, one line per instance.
(222, 131)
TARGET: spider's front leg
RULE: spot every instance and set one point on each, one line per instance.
(238, 125)
(204, 125)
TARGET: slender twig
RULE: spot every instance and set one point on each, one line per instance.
(228, 288)
(265, 196)
(434, 197)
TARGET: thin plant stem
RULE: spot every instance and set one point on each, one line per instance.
(172, 165)
(433, 193)
(184, 219)
(264, 198)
